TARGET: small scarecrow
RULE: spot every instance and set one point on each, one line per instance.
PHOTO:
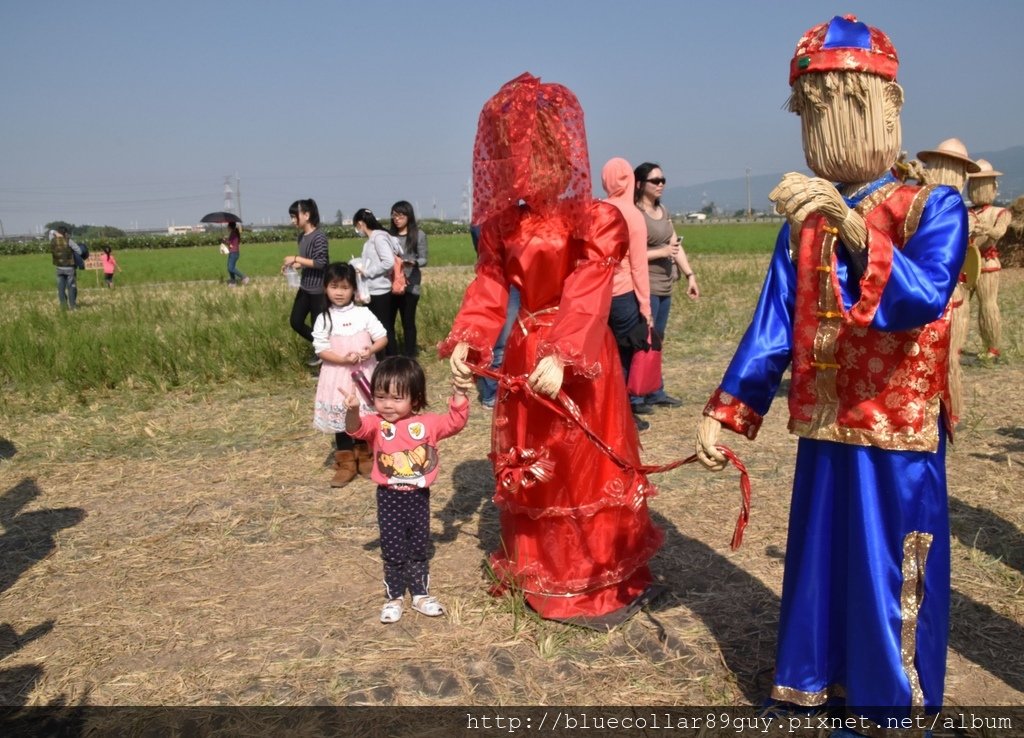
(856, 303)
(988, 224)
(948, 164)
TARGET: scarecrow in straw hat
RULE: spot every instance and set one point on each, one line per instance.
(856, 302)
(988, 224)
(948, 164)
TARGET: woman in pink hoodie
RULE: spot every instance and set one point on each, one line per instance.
(630, 316)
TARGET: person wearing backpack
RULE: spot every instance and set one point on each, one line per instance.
(413, 255)
(376, 266)
(65, 254)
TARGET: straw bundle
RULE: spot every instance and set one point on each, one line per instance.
(989, 323)
(959, 318)
(850, 122)
(982, 191)
(945, 170)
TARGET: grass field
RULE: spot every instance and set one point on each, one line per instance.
(140, 266)
(169, 537)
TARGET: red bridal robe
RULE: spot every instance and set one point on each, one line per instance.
(575, 531)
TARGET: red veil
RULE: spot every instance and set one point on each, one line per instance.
(531, 146)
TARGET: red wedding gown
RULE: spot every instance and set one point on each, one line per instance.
(575, 532)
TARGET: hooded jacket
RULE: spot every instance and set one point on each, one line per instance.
(631, 274)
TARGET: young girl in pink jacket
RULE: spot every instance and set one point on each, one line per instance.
(403, 441)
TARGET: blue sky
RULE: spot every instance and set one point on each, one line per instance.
(132, 112)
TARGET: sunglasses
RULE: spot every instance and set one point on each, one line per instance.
(656, 180)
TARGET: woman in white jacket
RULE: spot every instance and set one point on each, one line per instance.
(376, 266)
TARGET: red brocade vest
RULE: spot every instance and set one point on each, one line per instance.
(852, 383)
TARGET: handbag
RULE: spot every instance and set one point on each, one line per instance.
(398, 281)
(645, 367)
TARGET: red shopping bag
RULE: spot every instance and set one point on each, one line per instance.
(645, 368)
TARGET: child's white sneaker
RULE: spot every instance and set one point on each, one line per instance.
(427, 605)
(392, 611)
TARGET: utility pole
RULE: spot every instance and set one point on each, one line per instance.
(238, 195)
(748, 193)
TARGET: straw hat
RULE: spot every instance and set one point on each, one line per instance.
(952, 148)
(984, 170)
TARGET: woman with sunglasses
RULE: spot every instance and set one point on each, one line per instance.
(666, 262)
(414, 256)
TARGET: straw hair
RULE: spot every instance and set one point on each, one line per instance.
(982, 191)
(946, 171)
(958, 329)
(989, 322)
(850, 122)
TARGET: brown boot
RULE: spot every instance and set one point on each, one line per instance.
(364, 459)
(344, 468)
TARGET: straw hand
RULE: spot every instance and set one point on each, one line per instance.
(707, 439)
(547, 377)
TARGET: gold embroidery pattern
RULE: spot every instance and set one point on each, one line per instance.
(826, 408)
(807, 699)
(915, 553)
(882, 436)
(914, 213)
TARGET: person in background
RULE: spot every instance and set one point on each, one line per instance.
(233, 240)
(414, 256)
(109, 266)
(375, 265)
(312, 258)
(666, 262)
(63, 250)
(345, 337)
(487, 387)
(630, 316)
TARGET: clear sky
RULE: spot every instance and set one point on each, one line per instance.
(132, 112)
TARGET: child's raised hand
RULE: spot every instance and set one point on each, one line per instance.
(351, 400)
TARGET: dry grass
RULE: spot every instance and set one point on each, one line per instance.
(186, 550)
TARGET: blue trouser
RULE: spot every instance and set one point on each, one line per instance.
(403, 518)
(660, 306)
(233, 272)
(865, 592)
(67, 288)
(488, 387)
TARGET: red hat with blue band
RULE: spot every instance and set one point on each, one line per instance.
(844, 44)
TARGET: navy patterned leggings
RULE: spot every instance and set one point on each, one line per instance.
(404, 521)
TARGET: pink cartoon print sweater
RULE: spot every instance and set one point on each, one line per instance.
(405, 452)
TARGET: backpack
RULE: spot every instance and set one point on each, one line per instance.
(398, 281)
(80, 258)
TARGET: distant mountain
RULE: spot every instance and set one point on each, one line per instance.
(730, 195)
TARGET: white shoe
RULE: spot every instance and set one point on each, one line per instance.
(392, 611)
(427, 605)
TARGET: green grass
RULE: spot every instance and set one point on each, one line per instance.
(142, 266)
(729, 238)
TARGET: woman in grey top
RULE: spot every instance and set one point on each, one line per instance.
(376, 265)
(666, 260)
(312, 259)
(414, 256)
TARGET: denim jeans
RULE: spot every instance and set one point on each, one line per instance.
(233, 272)
(660, 306)
(488, 388)
(67, 288)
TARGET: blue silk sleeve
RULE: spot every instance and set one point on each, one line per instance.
(924, 271)
(766, 348)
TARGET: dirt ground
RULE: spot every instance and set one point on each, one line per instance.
(186, 550)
